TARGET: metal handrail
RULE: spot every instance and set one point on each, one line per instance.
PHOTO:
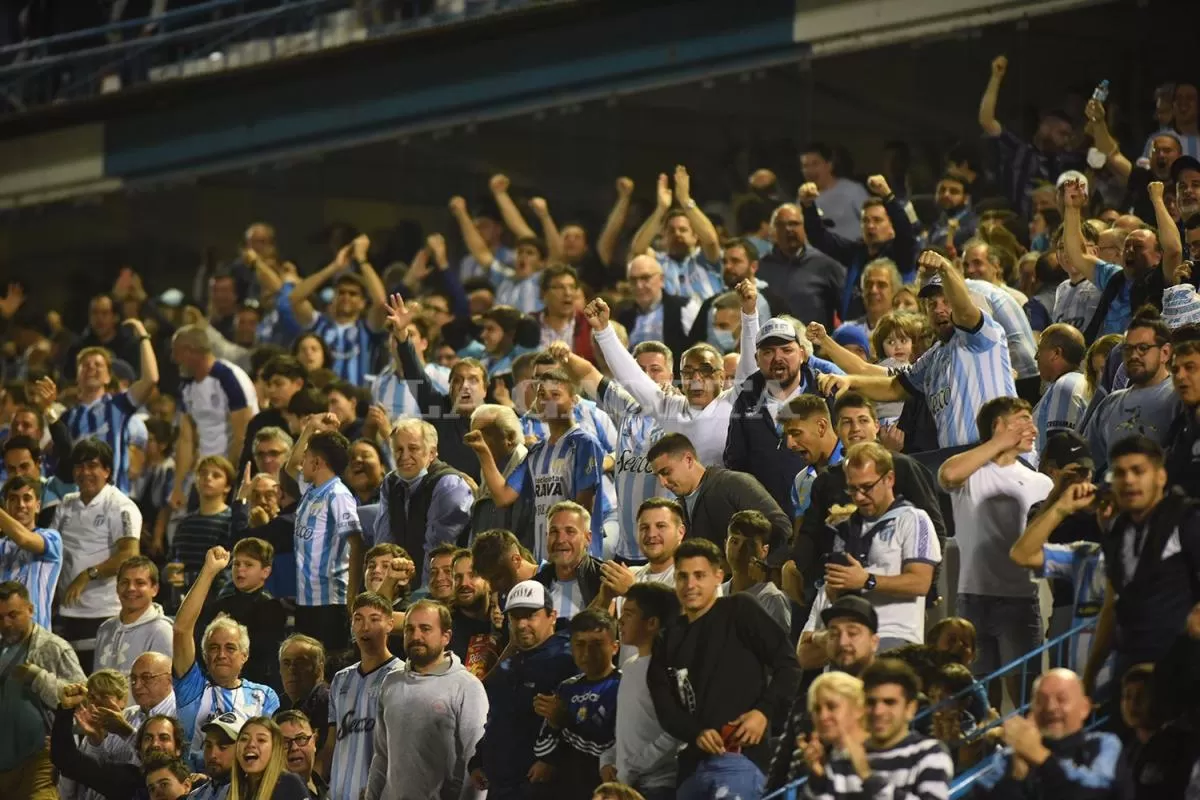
(963, 782)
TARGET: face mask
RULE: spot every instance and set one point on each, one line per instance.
(722, 340)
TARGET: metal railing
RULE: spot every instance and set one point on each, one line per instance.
(211, 37)
(1028, 665)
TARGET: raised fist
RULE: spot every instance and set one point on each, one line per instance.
(747, 289)
(931, 261)
(878, 186)
(539, 207)
(361, 244)
(1155, 190)
(499, 184)
(216, 559)
(999, 66)
(808, 193)
(458, 205)
(624, 186)
(597, 314)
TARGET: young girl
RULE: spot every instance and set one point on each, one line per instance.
(311, 351)
(259, 765)
(898, 340)
(498, 331)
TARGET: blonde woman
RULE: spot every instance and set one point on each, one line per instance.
(259, 767)
(837, 703)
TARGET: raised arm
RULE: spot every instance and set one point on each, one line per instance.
(1097, 126)
(554, 243)
(1168, 234)
(987, 103)
(706, 233)
(747, 348)
(583, 371)
(1074, 199)
(653, 224)
(503, 495)
(880, 388)
(508, 209)
(850, 362)
(21, 536)
(139, 390)
(606, 244)
(963, 311)
(1027, 549)
(184, 629)
(957, 470)
(376, 293)
(839, 248)
(625, 369)
(476, 246)
(185, 457)
(268, 279)
(302, 308)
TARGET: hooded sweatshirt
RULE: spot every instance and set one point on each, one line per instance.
(119, 644)
(426, 731)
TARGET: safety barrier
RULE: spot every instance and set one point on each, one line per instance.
(1029, 665)
(211, 37)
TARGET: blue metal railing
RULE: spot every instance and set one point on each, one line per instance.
(964, 781)
(194, 40)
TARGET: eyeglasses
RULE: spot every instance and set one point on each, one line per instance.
(299, 741)
(145, 677)
(1142, 349)
(704, 371)
(866, 489)
(269, 453)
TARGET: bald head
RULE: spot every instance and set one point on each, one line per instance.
(1060, 705)
(150, 679)
(646, 281)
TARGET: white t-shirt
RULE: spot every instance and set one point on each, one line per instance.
(643, 574)
(990, 512)
(903, 535)
(90, 533)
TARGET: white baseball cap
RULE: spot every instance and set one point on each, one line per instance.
(777, 328)
(530, 595)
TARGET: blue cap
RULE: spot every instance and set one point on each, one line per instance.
(852, 335)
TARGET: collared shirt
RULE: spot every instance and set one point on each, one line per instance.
(89, 533)
(647, 325)
(449, 510)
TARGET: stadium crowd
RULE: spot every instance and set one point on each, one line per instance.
(566, 515)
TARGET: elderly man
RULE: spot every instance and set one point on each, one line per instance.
(785, 371)
(423, 502)
(300, 744)
(42, 664)
(302, 673)
(656, 315)
(1051, 755)
(571, 574)
(496, 438)
(152, 692)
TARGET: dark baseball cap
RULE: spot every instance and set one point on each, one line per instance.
(931, 286)
(1066, 447)
(1182, 163)
(852, 607)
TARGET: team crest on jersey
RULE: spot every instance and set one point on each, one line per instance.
(216, 397)
(939, 400)
(98, 521)
(581, 714)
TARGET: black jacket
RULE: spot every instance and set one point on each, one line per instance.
(438, 410)
(587, 576)
(721, 494)
(754, 444)
(1183, 457)
(114, 781)
(737, 659)
(674, 336)
(810, 282)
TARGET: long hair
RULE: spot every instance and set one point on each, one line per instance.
(239, 784)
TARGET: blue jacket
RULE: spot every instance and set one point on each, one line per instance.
(1081, 766)
(506, 751)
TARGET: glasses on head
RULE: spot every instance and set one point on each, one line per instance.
(1142, 349)
(864, 489)
(704, 371)
(144, 677)
(297, 741)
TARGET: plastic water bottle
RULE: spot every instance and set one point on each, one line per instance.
(1100, 95)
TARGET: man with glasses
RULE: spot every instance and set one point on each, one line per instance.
(656, 315)
(886, 550)
(271, 447)
(1149, 404)
(152, 693)
(300, 751)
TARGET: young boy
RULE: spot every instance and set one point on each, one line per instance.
(645, 755)
(388, 572)
(205, 528)
(248, 602)
(746, 551)
(580, 718)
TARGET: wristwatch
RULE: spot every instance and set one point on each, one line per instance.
(869, 586)
(93, 573)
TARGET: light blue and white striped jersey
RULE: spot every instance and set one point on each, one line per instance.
(1022, 346)
(560, 471)
(567, 598)
(209, 402)
(633, 476)
(351, 347)
(1075, 303)
(469, 268)
(1120, 310)
(1061, 407)
(957, 377)
(107, 419)
(502, 365)
(353, 709)
(395, 394)
(439, 377)
(37, 572)
(523, 294)
(587, 415)
(694, 276)
(325, 520)
(1081, 563)
(198, 701)
(647, 327)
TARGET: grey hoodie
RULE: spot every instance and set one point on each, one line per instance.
(427, 729)
(118, 645)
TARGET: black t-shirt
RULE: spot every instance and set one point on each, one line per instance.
(476, 642)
